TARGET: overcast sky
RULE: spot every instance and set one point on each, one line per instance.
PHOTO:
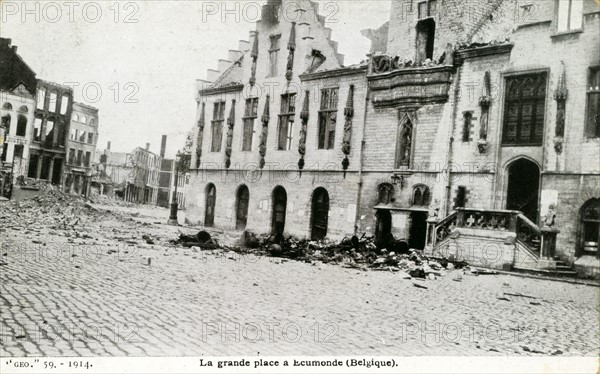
(138, 61)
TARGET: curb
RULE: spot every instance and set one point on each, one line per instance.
(555, 279)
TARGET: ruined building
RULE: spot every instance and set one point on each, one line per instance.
(81, 145)
(472, 133)
(17, 100)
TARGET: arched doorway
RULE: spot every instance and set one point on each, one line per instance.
(383, 230)
(209, 212)
(320, 214)
(279, 210)
(523, 188)
(589, 235)
(241, 209)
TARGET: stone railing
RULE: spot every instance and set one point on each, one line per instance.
(540, 242)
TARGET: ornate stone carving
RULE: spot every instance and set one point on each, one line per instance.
(254, 55)
(348, 115)
(262, 147)
(304, 118)
(560, 95)
(201, 123)
(229, 142)
(291, 48)
(485, 101)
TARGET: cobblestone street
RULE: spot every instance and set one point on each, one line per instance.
(97, 295)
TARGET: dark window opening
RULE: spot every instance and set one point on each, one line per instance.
(279, 210)
(425, 39)
(524, 110)
(21, 125)
(33, 166)
(592, 128)
(328, 118)
(45, 173)
(461, 197)
(211, 198)
(320, 214)
(421, 195)
(590, 227)
(19, 150)
(467, 124)
(427, 9)
(385, 193)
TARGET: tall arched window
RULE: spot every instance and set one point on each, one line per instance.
(211, 198)
(590, 227)
(421, 195)
(21, 125)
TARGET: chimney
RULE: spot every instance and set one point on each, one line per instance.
(108, 145)
(147, 146)
(163, 146)
(14, 48)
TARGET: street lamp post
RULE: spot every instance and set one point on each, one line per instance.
(174, 205)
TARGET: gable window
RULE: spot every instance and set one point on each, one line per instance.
(328, 118)
(286, 122)
(524, 110)
(250, 115)
(404, 140)
(592, 128)
(217, 126)
(273, 52)
(569, 15)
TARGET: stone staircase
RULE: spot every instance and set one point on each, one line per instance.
(500, 239)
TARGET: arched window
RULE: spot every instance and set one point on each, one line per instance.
(243, 200)
(75, 117)
(7, 106)
(6, 123)
(279, 197)
(385, 193)
(21, 125)
(590, 227)
(320, 214)
(211, 198)
(92, 121)
(23, 109)
(82, 119)
(421, 195)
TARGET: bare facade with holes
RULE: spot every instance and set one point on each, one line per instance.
(462, 129)
(81, 149)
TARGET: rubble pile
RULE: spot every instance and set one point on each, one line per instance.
(95, 198)
(51, 209)
(355, 252)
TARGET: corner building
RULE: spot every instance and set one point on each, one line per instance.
(479, 125)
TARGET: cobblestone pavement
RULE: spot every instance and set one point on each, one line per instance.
(96, 295)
